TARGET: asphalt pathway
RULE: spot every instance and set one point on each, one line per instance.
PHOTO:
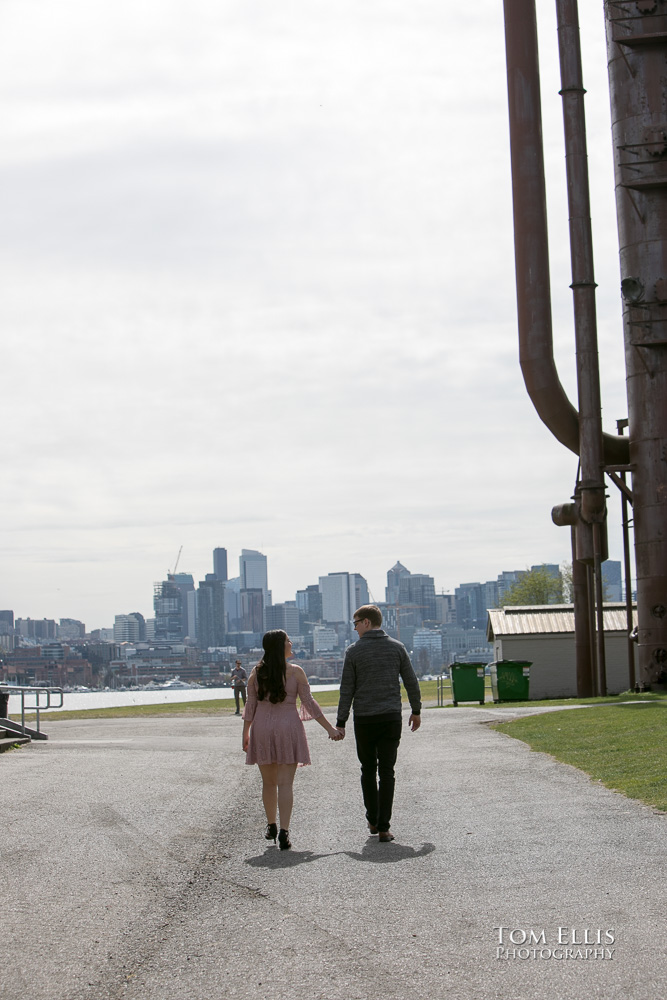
(134, 868)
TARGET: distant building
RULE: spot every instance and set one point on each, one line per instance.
(220, 564)
(6, 622)
(612, 580)
(253, 573)
(445, 609)
(339, 596)
(252, 609)
(211, 620)
(394, 576)
(427, 650)
(70, 629)
(309, 604)
(168, 608)
(417, 591)
(284, 616)
(129, 628)
(39, 629)
(324, 639)
(186, 585)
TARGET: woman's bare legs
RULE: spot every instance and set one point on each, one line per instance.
(277, 793)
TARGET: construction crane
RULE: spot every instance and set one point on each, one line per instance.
(404, 607)
(175, 564)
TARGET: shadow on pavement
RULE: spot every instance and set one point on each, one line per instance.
(372, 852)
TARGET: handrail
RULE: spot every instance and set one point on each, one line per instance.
(24, 692)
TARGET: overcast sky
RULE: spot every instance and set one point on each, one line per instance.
(259, 292)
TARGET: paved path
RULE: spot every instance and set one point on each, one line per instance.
(134, 869)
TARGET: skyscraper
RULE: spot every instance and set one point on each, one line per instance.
(253, 572)
(211, 613)
(394, 576)
(220, 564)
(338, 597)
(168, 607)
(252, 610)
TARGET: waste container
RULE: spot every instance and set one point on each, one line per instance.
(510, 680)
(468, 682)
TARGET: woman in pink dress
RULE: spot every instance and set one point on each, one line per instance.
(273, 732)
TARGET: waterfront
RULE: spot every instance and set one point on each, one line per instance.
(78, 700)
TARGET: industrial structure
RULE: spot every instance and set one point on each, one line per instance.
(637, 50)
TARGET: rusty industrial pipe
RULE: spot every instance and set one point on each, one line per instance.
(531, 237)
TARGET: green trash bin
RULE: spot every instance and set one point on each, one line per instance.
(468, 682)
(510, 680)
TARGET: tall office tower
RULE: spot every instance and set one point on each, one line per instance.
(470, 606)
(253, 573)
(220, 564)
(417, 591)
(233, 604)
(192, 614)
(186, 585)
(129, 628)
(309, 603)
(211, 625)
(611, 579)
(6, 622)
(505, 580)
(338, 597)
(445, 609)
(252, 610)
(168, 608)
(394, 576)
(360, 590)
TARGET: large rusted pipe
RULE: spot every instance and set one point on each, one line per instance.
(637, 53)
(531, 237)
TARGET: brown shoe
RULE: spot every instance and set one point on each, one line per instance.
(373, 829)
(385, 837)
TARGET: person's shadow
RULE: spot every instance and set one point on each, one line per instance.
(372, 853)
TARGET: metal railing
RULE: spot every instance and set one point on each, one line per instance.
(443, 681)
(42, 700)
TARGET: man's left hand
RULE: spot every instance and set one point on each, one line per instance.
(415, 722)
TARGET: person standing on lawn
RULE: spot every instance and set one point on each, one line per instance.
(371, 682)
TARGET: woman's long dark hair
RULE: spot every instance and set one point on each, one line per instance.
(272, 668)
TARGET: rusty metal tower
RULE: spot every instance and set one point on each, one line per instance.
(637, 51)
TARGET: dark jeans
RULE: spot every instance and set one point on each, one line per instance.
(239, 691)
(377, 748)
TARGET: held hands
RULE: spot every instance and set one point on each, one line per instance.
(336, 734)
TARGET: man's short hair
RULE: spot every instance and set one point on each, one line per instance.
(370, 611)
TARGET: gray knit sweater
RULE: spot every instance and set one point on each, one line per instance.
(372, 672)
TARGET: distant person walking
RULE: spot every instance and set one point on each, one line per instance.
(371, 682)
(239, 681)
(273, 732)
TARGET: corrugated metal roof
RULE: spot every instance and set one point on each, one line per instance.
(549, 619)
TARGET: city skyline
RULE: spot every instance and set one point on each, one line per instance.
(206, 578)
(259, 287)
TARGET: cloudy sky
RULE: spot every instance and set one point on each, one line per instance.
(259, 292)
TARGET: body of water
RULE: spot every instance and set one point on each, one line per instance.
(78, 700)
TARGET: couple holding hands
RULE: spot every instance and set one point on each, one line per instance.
(274, 737)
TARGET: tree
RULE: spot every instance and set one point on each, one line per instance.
(536, 586)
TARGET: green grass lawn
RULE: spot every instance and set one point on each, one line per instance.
(622, 745)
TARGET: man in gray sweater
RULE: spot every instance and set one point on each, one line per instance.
(372, 673)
